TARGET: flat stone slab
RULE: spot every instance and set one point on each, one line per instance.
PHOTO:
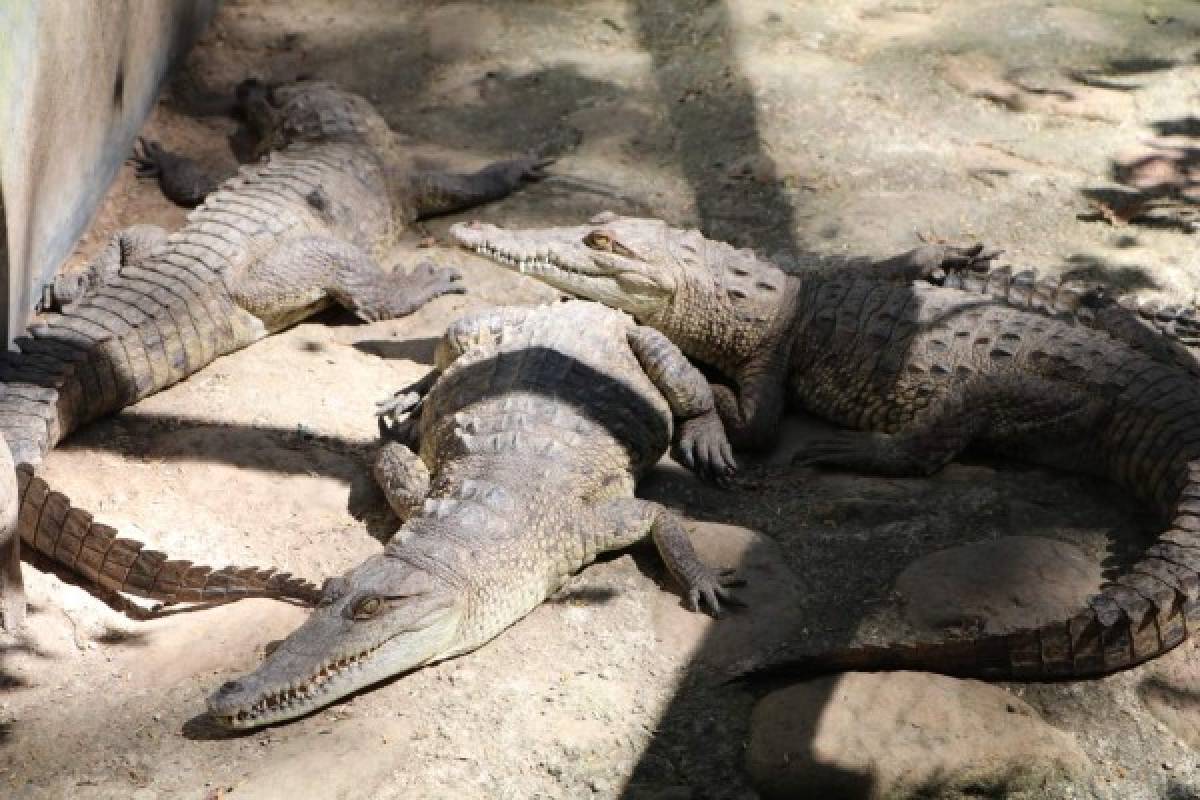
(904, 734)
(997, 586)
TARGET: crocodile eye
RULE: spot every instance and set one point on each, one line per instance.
(599, 241)
(367, 608)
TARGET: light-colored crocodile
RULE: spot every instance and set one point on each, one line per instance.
(531, 438)
(272, 245)
(922, 372)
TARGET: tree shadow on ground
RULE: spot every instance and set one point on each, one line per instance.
(690, 46)
(1096, 269)
(11, 679)
(1177, 791)
(1102, 77)
(1159, 187)
(420, 350)
(268, 449)
(711, 106)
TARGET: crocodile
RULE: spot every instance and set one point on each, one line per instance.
(272, 245)
(1168, 331)
(915, 373)
(531, 433)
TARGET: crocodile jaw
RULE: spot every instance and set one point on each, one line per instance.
(559, 257)
(334, 654)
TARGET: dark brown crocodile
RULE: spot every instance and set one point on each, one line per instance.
(269, 247)
(1168, 331)
(920, 372)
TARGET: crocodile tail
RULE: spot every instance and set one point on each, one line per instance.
(1121, 627)
(1143, 614)
(1131, 621)
(67, 535)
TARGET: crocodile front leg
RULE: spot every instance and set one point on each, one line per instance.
(434, 192)
(933, 263)
(372, 294)
(700, 443)
(288, 282)
(181, 179)
(751, 411)
(623, 521)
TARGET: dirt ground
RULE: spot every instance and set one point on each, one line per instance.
(1062, 132)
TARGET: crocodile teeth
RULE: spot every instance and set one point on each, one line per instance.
(538, 263)
(296, 696)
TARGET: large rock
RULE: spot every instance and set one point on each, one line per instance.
(904, 734)
(997, 586)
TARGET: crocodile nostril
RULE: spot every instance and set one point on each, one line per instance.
(229, 687)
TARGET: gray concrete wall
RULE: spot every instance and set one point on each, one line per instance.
(77, 79)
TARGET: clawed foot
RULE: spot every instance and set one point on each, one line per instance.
(702, 447)
(935, 263)
(400, 404)
(397, 414)
(959, 261)
(712, 586)
(146, 157)
(404, 293)
(430, 279)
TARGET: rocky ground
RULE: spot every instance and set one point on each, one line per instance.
(1062, 132)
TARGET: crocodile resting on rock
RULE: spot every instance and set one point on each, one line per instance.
(269, 247)
(531, 438)
(922, 372)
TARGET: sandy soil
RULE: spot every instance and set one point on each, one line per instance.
(811, 131)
